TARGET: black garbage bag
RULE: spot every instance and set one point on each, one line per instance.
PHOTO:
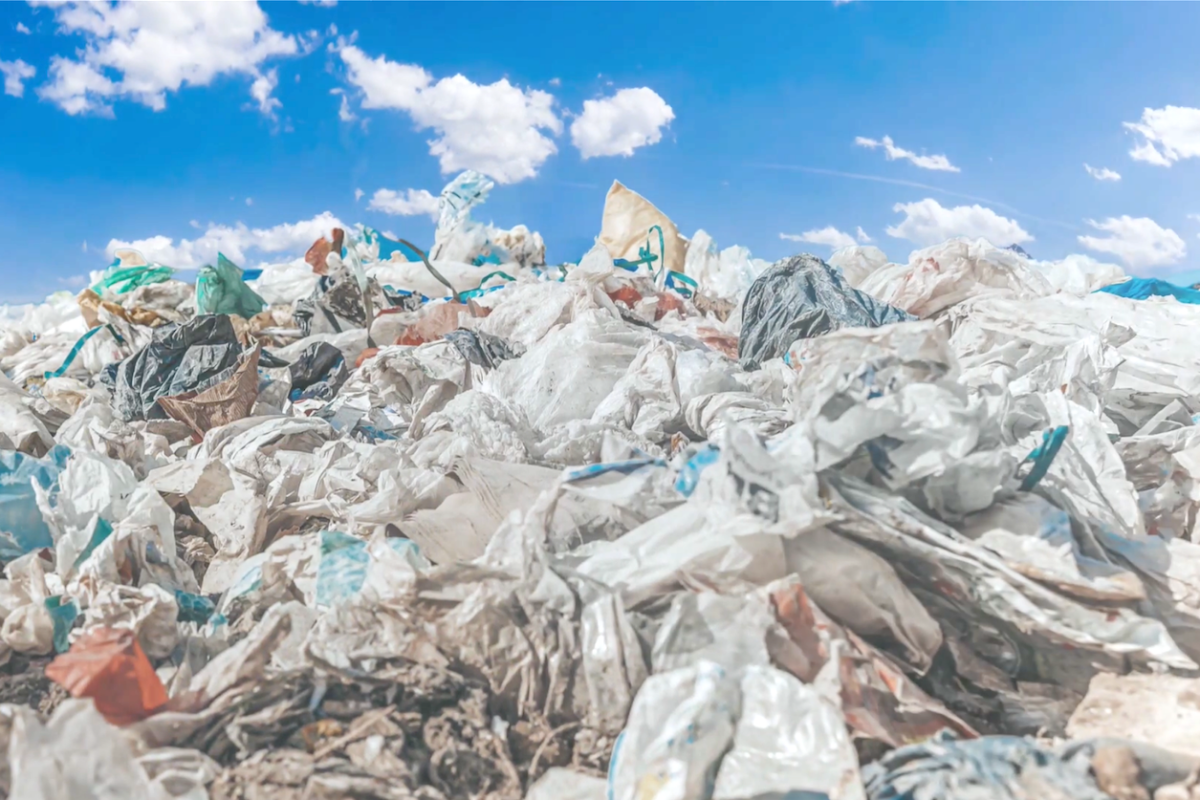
(318, 373)
(178, 359)
(799, 298)
(483, 349)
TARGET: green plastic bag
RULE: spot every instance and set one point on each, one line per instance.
(221, 290)
(125, 279)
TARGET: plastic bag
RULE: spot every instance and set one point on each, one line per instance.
(221, 290)
(941, 276)
(218, 400)
(178, 359)
(680, 726)
(318, 372)
(108, 665)
(857, 262)
(627, 219)
(726, 274)
(22, 528)
(461, 239)
(790, 738)
(76, 755)
(799, 298)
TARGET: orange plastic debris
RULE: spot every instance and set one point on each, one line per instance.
(627, 295)
(668, 302)
(108, 665)
(370, 352)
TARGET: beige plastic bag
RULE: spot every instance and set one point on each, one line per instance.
(628, 217)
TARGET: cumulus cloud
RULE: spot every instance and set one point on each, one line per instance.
(261, 91)
(828, 236)
(618, 125)
(141, 51)
(15, 74)
(234, 241)
(494, 128)
(358, 193)
(409, 203)
(927, 222)
(1102, 174)
(1138, 241)
(1168, 134)
(22, 29)
(894, 153)
(863, 237)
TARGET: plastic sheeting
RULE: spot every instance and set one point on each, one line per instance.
(552, 538)
(799, 298)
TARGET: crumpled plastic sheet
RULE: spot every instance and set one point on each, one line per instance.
(800, 298)
(993, 768)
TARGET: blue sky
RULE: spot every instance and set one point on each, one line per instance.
(247, 128)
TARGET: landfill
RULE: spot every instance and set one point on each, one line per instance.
(669, 523)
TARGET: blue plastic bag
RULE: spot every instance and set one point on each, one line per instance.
(22, 529)
(1144, 288)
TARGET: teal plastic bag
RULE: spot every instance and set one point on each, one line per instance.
(342, 570)
(63, 612)
(221, 290)
(22, 529)
(121, 280)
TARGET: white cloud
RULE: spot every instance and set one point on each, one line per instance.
(618, 125)
(22, 29)
(863, 237)
(261, 91)
(322, 3)
(494, 128)
(15, 74)
(249, 201)
(195, 224)
(936, 162)
(344, 112)
(234, 241)
(358, 193)
(85, 247)
(1170, 134)
(409, 203)
(1102, 174)
(141, 51)
(1140, 242)
(1194, 216)
(556, 82)
(927, 222)
(828, 236)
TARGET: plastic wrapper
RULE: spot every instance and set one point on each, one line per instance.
(799, 298)
(221, 290)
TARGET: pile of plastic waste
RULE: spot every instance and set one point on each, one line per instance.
(670, 523)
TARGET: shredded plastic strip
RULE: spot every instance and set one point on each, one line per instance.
(1043, 456)
(58, 373)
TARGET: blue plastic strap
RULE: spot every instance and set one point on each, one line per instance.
(1043, 456)
(689, 476)
(626, 467)
(58, 373)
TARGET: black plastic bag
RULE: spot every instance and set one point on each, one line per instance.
(178, 359)
(319, 372)
(799, 298)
